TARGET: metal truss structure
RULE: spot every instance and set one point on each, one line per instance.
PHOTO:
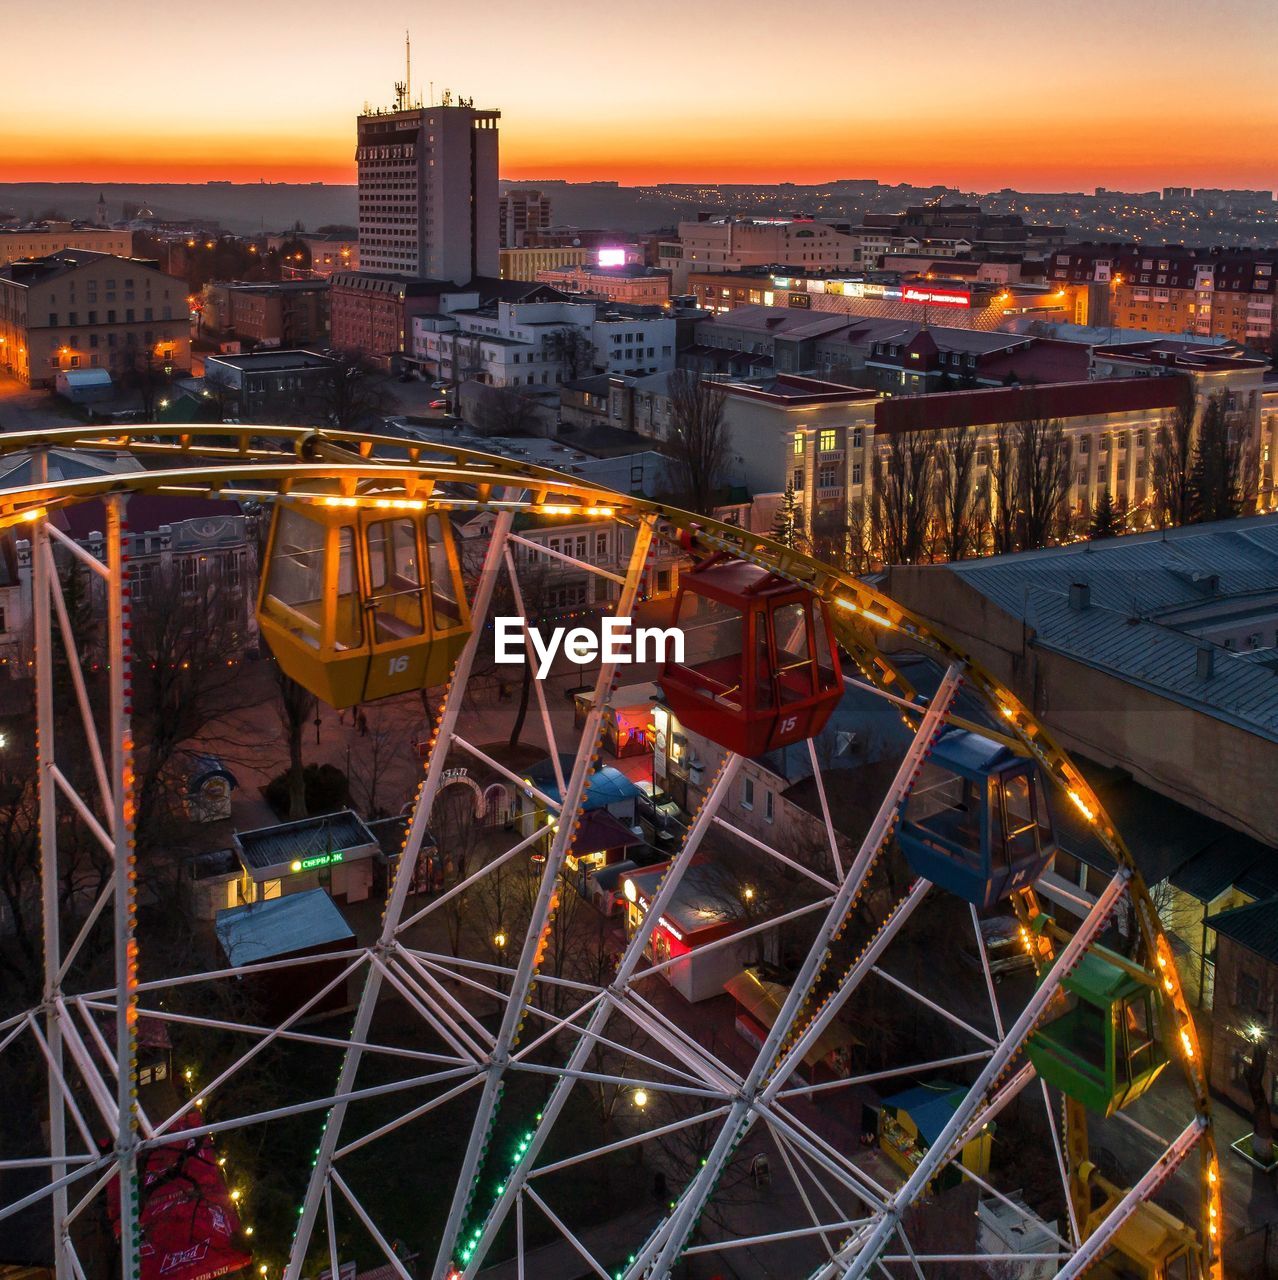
(484, 1031)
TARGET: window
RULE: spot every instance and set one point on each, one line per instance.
(856, 437)
(768, 801)
(856, 473)
(1248, 993)
(798, 478)
(829, 440)
(601, 546)
(747, 793)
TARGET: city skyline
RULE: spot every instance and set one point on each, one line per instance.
(972, 96)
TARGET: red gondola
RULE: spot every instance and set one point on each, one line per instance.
(760, 669)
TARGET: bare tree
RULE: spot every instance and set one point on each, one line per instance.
(1002, 497)
(1042, 464)
(143, 373)
(574, 351)
(958, 508)
(505, 411)
(902, 505)
(1262, 1138)
(379, 749)
(296, 706)
(698, 441)
(1173, 462)
(188, 640)
(351, 395)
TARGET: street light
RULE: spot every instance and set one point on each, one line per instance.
(641, 1097)
(499, 940)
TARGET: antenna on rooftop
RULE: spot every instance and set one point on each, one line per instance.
(408, 65)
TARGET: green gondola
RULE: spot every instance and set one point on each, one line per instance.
(1103, 1049)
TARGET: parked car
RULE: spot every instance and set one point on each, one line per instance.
(656, 807)
(439, 404)
(1001, 936)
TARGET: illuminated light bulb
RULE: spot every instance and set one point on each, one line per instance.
(641, 1097)
(1082, 806)
(1187, 1044)
(236, 1194)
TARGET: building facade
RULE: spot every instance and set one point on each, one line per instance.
(525, 263)
(541, 344)
(255, 385)
(428, 204)
(632, 284)
(79, 309)
(521, 213)
(292, 313)
(1203, 293)
(372, 312)
(48, 237)
(733, 244)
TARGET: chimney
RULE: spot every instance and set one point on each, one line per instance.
(1206, 661)
(1080, 595)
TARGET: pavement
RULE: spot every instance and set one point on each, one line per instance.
(22, 409)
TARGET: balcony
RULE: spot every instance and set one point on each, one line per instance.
(827, 491)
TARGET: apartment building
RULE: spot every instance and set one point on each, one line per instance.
(428, 204)
(522, 212)
(80, 309)
(524, 263)
(1203, 293)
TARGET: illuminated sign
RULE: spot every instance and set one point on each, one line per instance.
(800, 300)
(611, 257)
(938, 297)
(641, 902)
(319, 860)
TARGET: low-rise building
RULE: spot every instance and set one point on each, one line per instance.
(1154, 652)
(734, 244)
(961, 303)
(540, 344)
(290, 313)
(329, 251)
(41, 239)
(630, 283)
(255, 384)
(525, 262)
(80, 309)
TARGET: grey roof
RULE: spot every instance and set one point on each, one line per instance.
(278, 846)
(1146, 591)
(1254, 926)
(275, 360)
(280, 927)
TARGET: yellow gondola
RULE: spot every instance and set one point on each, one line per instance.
(362, 599)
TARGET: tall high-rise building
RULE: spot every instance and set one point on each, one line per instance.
(428, 190)
(523, 210)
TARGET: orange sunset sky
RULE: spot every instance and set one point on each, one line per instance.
(1036, 94)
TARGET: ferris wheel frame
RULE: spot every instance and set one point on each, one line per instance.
(274, 464)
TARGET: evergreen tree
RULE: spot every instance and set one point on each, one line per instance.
(1107, 519)
(786, 521)
(1216, 473)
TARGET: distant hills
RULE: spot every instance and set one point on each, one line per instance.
(272, 206)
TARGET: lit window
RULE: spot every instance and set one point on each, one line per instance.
(829, 440)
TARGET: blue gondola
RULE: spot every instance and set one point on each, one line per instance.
(977, 822)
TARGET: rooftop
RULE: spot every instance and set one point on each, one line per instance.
(1145, 594)
(279, 846)
(272, 360)
(991, 405)
(1254, 926)
(280, 927)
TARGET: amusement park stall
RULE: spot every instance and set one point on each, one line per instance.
(303, 924)
(706, 907)
(910, 1121)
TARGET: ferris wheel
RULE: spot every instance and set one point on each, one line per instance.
(505, 1094)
